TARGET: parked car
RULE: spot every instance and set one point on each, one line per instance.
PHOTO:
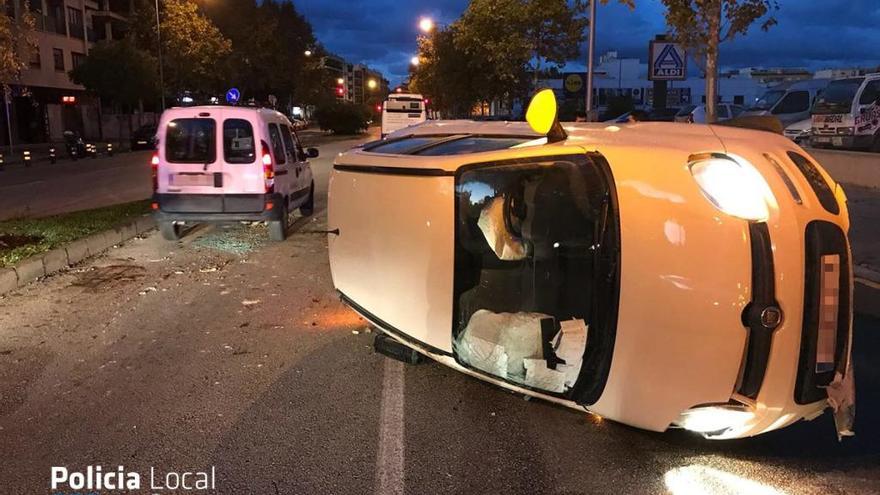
(658, 275)
(800, 132)
(227, 164)
(789, 102)
(144, 138)
(696, 114)
(652, 115)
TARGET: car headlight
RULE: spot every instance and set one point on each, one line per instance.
(710, 420)
(733, 186)
(847, 131)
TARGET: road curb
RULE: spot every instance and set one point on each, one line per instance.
(35, 267)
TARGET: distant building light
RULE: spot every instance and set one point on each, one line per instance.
(68, 100)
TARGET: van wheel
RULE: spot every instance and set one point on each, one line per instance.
(278, 228)
(308, 208)
(170, 231)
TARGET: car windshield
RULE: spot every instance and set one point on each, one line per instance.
(838, 96)
(768, 99)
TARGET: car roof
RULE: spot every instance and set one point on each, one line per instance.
(228, 110)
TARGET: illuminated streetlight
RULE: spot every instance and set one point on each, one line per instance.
(308, 53)
(414, 60)
(426, 24)
(340, 81)
(372, 84)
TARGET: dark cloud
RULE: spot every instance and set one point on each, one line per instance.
(811, 33)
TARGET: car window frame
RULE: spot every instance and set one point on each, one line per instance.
(780, 107)
(280, 158)
(253, 141)
(293, 151)
(212, 147)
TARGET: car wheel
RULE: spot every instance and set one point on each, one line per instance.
(171, 231)
(278, 228)
(308, 208)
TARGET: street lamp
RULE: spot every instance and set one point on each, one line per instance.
(161, 74)
(340, 81)
(307, 53)
(372, 84)
(414, 61)
(426, 24)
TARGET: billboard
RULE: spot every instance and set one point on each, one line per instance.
(667, 61)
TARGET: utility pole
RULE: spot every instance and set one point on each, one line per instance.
(161, 73)
(590, 51)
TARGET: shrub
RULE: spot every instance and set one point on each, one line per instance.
(343, 118)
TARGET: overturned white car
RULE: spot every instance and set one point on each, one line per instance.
(655, 274)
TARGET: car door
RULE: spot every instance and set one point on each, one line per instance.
(305, 175)
(282, 164)
(297, 158)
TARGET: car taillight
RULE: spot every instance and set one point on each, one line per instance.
(154, 168)
(268, 168)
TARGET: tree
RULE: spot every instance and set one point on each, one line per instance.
(17, 41)
(118, 72)
(195, 53)
(448, 75)
(702, 25)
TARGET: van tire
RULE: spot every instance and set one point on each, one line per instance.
(170, 231)
(308, 208)
(278, 228)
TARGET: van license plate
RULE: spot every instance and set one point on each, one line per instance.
(206, 180)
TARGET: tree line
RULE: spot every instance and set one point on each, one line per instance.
(258, 47)
(497, 50)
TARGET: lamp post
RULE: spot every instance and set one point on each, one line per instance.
(161, 72)
(590, 51)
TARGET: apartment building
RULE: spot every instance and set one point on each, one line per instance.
(45, 102)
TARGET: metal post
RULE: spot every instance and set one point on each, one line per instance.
(6, 97)
(590, 51)
(161, 73)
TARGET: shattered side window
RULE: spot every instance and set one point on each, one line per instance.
(527, 263)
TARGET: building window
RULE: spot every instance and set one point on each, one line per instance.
(739, 99)
(75, 22)
(35, 61)
(58, 55)
(78, 58)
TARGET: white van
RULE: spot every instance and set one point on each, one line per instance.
(790, 102)
(228, 164)
(402, 110)
(847, 114)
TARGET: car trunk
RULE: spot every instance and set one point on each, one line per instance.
(511, 266)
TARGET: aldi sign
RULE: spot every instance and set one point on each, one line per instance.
(668, 62)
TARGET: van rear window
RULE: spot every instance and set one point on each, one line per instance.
(191, 141)
(238, 141)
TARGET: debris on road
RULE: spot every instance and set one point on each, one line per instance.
(250, 302)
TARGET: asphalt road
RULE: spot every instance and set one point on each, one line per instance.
(227, 350)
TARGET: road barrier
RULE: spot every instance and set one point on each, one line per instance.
(850, 167)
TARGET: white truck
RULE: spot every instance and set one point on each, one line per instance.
(847, 114)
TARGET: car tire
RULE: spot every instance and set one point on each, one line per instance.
(171, 231)
(308, 208)
(278, 228)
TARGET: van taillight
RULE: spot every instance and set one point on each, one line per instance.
(268, 168)
(154, 168)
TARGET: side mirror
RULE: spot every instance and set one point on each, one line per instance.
(312, 152)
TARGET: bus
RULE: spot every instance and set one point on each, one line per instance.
(402, 110)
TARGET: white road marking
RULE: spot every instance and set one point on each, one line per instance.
(389, 461)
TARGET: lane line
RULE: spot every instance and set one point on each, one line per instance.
(389, 460)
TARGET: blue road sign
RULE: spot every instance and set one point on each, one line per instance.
(233, 95)
(668, 62)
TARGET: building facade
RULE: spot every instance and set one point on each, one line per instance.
(45, 102)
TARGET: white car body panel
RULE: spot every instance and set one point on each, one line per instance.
(679, 256)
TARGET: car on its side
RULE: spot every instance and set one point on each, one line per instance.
(696, 114)
(800, 132)
(655, 274)
(229, 164)
(144, 138)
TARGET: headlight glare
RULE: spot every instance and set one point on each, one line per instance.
(733, 187)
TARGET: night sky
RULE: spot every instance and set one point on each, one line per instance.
(811, 33)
